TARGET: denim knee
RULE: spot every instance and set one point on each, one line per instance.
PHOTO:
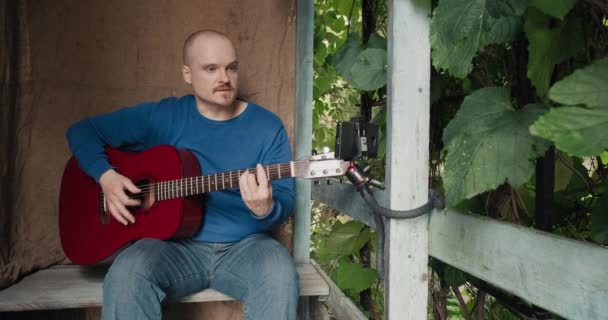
(132, 269)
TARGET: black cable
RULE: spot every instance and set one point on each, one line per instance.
(361, 182)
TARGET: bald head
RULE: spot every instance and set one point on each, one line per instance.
(200, 37)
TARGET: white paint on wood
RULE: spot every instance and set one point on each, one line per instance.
(344, 197)
(64, 287)
(406, 283)
(565, 276)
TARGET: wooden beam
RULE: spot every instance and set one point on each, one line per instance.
(406, 280)
(344, 197)
(340, 306)
(562, 275)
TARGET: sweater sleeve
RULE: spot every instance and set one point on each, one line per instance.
(127, 129)
(282, 190)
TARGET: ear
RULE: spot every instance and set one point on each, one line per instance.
(186, 74)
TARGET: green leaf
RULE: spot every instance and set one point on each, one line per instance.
(604, 157)
(599, 220)
(488, 143)
(376, 41)
(461, 28)
(556, 8)
(363, 66)
(351, 276)
(585, 86)
(347, 238)
(550, 45)
(347, 55)
(577, 131)
(369, 72)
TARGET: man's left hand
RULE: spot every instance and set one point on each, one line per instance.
(256, 194)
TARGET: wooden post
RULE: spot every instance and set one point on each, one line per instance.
(303, 125)
(406, 281)
(303, 132)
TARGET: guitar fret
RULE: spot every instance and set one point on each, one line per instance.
(215, 184)
(223, 184)
(230, 179)
(279, 170)
(208, 184)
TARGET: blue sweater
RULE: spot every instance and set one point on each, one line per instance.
(254, 136)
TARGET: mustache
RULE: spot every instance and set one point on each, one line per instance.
(223, 88)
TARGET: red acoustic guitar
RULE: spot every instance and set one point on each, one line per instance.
(171, 184)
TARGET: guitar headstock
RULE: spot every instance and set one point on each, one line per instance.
(320, 166)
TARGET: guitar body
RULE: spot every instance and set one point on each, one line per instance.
(90, 234)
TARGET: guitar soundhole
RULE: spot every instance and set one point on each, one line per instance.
(146, 196)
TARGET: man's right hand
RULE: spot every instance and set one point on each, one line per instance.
(113, 185)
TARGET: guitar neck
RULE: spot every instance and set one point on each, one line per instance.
(191, 186)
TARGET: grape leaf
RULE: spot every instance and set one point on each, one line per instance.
(347, 238)
(488, 143)
(355, 277)
(587, 86)
(369, 72)
(550, 45)
(461, 28)
(575, 130)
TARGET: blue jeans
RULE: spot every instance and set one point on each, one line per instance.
(257, 270)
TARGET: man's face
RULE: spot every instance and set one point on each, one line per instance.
(212, 71)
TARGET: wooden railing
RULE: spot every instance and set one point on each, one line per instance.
(564, 276)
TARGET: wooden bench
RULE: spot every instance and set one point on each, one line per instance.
(66, 287)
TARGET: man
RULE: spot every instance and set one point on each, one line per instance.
(231, 253)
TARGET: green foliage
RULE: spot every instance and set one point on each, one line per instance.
(588, 86)
(577, 130)
(556, 8)
(461, 28)
(488, 143)
(550, 45)
(483, 53)
(347, 238)
(353, 276)
(363, 66)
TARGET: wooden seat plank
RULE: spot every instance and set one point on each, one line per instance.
(65, 287)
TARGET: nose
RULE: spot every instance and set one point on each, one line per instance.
(223, 76)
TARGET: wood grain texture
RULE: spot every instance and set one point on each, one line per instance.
(562, 275)
(63, 287)
(407, 157)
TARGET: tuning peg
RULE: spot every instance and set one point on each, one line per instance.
(366, 169)
(326, 149)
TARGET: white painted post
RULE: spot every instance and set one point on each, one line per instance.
(406, 281)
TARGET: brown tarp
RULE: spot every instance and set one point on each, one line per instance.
(63, 60)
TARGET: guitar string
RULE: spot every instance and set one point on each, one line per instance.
(182, 185)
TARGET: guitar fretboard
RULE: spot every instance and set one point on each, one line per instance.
(191, 186)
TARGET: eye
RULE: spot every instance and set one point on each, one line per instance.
(210, 68)
(232, 67)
